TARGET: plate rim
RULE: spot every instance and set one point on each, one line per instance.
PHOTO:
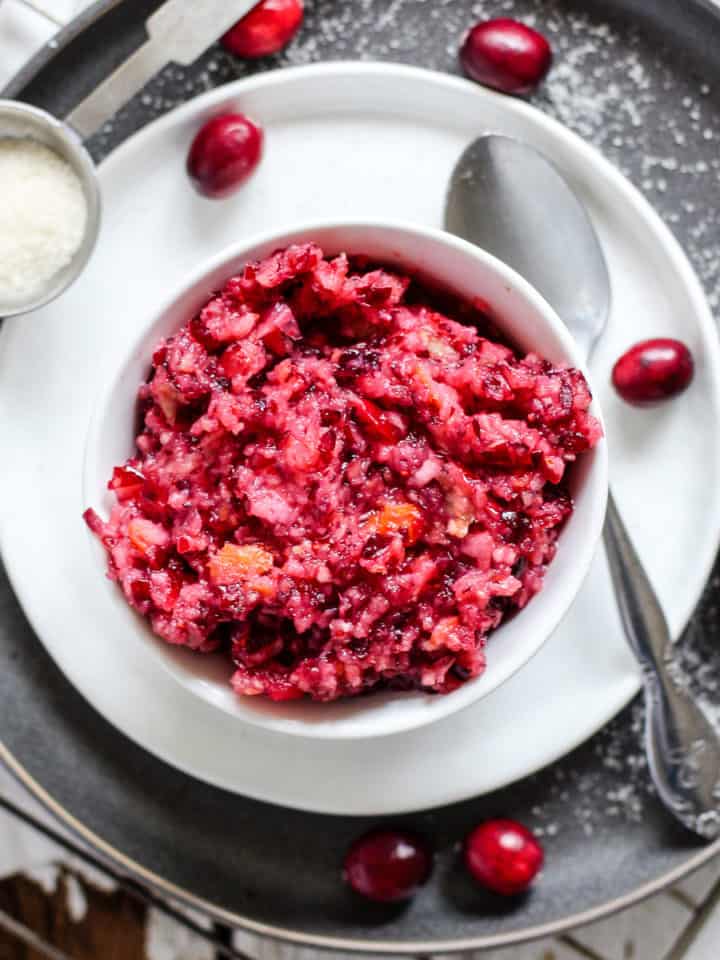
(375, 946)
(578, 147)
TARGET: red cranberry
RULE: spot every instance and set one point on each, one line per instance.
(127, 482)
(376, 423)
(93, 521)
(279, 688)
(140, 589)
(653, 370)
(503, 856)
(224, 153)
(506, 54)
(268, 28)
(387, 865)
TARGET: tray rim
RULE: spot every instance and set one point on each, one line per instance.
(155, 882)
(346, 944)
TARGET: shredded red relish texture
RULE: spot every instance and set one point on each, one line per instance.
(340, 487)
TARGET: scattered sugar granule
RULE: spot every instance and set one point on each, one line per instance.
(42, 219)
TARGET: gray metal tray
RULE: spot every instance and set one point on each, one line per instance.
(641, 80)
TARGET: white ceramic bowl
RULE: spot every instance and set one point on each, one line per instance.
(526, 319)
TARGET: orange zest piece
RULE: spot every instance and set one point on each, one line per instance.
(234, 564)
(443, 632)
(144, 534)
(403, 518)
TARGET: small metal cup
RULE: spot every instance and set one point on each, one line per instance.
(21, 121)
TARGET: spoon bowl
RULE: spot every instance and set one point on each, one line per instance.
(502, 196)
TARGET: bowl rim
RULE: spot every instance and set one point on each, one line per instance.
(441, 706)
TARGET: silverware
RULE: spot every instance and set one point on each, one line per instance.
(178, 32)
(506, 197)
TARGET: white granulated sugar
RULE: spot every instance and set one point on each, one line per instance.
(42, 219)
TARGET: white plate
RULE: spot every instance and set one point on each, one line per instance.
(348, 140)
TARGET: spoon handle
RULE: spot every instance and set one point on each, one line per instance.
(644, 621)
(682, 746)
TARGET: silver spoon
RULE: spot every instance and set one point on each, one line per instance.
(507, 198)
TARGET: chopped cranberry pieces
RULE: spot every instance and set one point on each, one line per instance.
(127, 483)
(93, 521)
(235, 361)
(377, 424)
(140, 589)
(280, 688)
(332, 492)
(387, 865)
(276, 341)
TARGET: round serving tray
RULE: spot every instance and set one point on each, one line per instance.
(637, 79)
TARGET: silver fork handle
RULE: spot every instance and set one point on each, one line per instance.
(682, 745)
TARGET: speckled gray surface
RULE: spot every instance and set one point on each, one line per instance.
(636, 79)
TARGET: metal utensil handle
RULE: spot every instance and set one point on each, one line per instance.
(643, 618)
(178, 32)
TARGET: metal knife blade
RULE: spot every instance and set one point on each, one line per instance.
(178, 32)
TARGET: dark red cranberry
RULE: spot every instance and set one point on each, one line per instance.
(506, 55)
(503, 856)
(653, 370)
(223, 154)
(268, 28)
(387, 865)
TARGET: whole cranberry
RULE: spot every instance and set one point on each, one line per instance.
(268, 27)
(387, 865)
(223, 154)
(653, 370)
(506, 55)
(503, 856)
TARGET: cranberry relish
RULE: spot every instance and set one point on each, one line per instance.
(339, 485)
